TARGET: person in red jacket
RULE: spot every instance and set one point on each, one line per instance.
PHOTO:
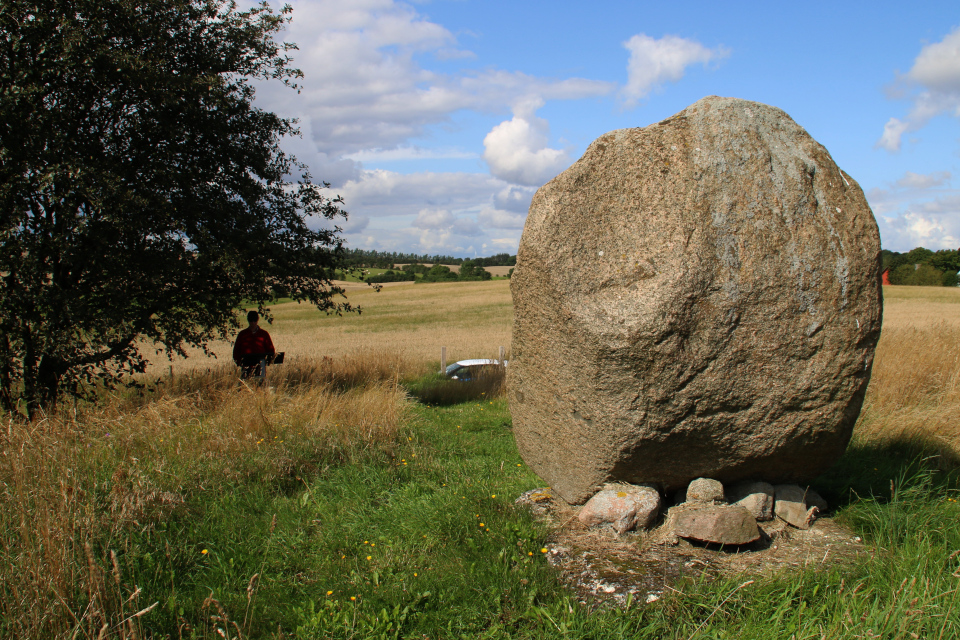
(252, 348)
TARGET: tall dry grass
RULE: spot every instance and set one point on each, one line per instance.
(73, 485)
(914, 391)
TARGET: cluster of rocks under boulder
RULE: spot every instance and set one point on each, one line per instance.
(602, 566)
(705, 511)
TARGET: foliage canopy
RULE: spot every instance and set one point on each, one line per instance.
(142, 194)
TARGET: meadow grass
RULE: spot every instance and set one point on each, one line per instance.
(337, 506)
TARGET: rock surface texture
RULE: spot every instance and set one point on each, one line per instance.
(696, 298)
(705, 490)
(624, 507)
(717, 524)
(755, 497)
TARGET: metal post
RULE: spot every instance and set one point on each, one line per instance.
(502, 351)
(443, 360)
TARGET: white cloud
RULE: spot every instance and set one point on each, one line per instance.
(514, 198)
(516, 150)
(938, 65)
(921, 229)
(500, 219)
(382, 193)
(892, 132)
(369, 95)
(354, 223)
(911, 180)
(409, 153)
(918, 210)
(434, 219)
(364, 87)
(934, 85)
(653, 62)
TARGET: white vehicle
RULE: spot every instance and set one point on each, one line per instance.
(467, 370)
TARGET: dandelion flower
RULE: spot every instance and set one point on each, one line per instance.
(204, 552)
(329, 593)
(353, 597)
(414, 574)
(543, 550)
(529, 553)
(369, 557)
(494, 496)
(373, 544)
(481, 524)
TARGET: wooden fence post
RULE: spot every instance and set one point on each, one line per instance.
(502, 352)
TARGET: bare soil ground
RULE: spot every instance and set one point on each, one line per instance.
(602, 567)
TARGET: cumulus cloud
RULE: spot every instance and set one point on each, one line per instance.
(933, 85)
(514, 198)
(516, 150)
(933, 230)
(500, 219)
(369, 95)
(892, 133)
(382, 193)
(409, 153)
(654, 62)
(918, 210)
(911, 180)
(434, 219)
(364, 86)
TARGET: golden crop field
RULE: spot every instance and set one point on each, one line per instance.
(471, 319)
(915, 388)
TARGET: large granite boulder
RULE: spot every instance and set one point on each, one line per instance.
(699, 297)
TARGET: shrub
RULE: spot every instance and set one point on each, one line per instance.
(437, 389)
(390, 276)
(917, 275)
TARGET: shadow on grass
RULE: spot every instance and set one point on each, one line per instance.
(873, 469)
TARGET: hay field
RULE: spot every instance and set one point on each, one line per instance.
(471, 319)
(914, 391)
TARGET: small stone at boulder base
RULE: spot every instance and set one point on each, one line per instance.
(537, 500)
(625, 507)
(719, 524)
(700, 297)
(705, 490)
(755, 497)
(790, 506)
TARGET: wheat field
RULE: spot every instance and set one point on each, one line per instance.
(471, 319)
(914, 391)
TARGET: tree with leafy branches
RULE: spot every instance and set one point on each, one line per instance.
(143, 195)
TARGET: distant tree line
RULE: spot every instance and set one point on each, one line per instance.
(922, 267)
(469, 270)
(363, 258)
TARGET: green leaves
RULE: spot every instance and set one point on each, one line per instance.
(142, 193)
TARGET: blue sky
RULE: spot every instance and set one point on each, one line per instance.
(437, 121)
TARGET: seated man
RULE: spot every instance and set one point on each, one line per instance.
(253, 348)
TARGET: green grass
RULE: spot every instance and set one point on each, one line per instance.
(427, 541)
(418, 537)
